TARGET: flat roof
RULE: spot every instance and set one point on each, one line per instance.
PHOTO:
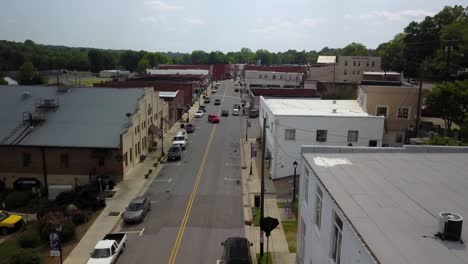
(326, 59)
(86, 117)
(381, 73)
(392, 197)
(314, 107)
(178, 71)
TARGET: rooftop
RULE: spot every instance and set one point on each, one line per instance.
(86, 117)
(392, 197)
(168, 94)
(314, 107)
(284, 92)
(178, 71)
(326, 59)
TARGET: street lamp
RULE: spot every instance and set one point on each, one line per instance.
(294, 185)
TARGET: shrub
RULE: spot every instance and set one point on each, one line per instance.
(50, 221)
(26, 256)
(79, 218)
(442, 141)
(29, 239)
(17, 199)
(65, 198)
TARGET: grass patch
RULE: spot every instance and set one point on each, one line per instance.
(8, 248)
(290, 231)
(281, 204)
(266, 258)
(255, 216)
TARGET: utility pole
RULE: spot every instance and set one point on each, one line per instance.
(162, 136)
(293, 200)
(246, 129)
(262, 187)
(44, 170)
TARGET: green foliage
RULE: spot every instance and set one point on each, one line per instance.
(28, 74)
(50, 221)
(355, 49)
(290, 231)
(255, 216)
(17, 199)
(2, 81)
(442, 141)
(266, 258)
(29, 239)
(26, 256)
(143, 64)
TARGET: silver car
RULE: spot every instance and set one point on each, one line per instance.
(136, 211)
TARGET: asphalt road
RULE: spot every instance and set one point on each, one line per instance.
(187, 226)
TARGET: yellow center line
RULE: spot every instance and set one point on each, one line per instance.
(180, 233)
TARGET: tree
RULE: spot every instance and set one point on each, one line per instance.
(199, 57)
(129, 60)
(143, 64)
(264, 56)
(355, 49)
(79, 62)
(28, 74)
(392, 54)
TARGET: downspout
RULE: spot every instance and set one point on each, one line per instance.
(44, 171)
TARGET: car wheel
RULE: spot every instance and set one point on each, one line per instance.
(3, 231)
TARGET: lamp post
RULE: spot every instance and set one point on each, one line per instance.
(59, 230)
(294, 185)
(162, 137)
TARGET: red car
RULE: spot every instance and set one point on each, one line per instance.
(213, 119)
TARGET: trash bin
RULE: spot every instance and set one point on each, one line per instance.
(257, 201)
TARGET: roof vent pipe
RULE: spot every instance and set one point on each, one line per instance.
(334, 101)
(334, 110)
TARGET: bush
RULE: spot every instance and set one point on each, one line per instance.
(79, 218)
(50, 221)
(29, 239)
(26, 256)
(17, 199)
(66, 198)
(442, 141)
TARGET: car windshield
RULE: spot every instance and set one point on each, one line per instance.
(101, 253)
(134, 207)
(173, 149)
(181, 138)
(3, 216)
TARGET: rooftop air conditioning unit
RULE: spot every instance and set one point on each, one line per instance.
(450, 226)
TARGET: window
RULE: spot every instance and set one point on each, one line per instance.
(136, 150)
(318, 207)
(26, 157)
(274, 77)
(290, 134)
(403, 112)
(358, 72)
(321, 136)
(101, 161)
(346, 63)
(354, 72)
(126, 159)
(354, 63)
(266, 76)
(353, 135)
(260, 76)
(367, 64)
(359, 63)
(345, 72)
(335, 251)
(64, 161)
(381, 111)
(131, 155)
(290, 77)
(373, 64)
(372, 143)
(281, 77)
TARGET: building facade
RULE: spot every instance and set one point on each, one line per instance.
(374, 205)
(272, 79)
(384, 94)
(72, 136)
(292, 123)
(343, 69)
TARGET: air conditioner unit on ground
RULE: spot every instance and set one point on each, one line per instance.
(450, 226)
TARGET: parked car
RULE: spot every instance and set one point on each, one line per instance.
(108, 249)
(253, 113)
(202, 107)
(207, 100)
(236, 89)
(199, 113)
(217, 102)
(236, 250)
(189, 128)
(214, 90)
(236, 106)
(174, 152)
(9, 223)
(136, 211)
(213, 119)
(235, 112)
(180, 138)
(225, 113)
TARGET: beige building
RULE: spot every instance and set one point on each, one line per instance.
(384, 94)
(55, 136)
(343, 69)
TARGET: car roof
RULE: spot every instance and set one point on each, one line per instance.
(237, 248)
(140, 199)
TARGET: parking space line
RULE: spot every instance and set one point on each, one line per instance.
(141, 233)
(161, 180)
(230, 179)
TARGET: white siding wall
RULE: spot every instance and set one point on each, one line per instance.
(285, 152)
(318, 241)
(281, 78)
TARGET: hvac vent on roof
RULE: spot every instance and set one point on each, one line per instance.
(26, 95)
(450, 226)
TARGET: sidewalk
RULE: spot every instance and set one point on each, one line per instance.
(132, 186)
(278, 245)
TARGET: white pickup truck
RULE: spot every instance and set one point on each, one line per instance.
(108, 249)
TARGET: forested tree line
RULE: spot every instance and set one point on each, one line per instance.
(422, 49)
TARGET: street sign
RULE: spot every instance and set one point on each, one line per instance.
(55, 244)
(253, 152)
(268, 224)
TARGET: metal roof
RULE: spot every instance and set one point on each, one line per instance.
(315, 107)
(86, 117)
(326, 59)
(392, 197)
(168, 94)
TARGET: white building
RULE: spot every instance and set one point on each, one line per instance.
(292, 123)
(272, 79)
(381, 205)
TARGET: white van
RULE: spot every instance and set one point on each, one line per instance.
(180, 138)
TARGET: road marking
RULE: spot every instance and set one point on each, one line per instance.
(141, 233)
(133, 232)
(172, 164)
(231, 179)
(232, 164)
(161, 180)
(153, 202)
(180, 233)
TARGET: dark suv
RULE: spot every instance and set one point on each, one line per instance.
(236, 251)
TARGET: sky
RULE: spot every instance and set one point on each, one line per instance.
(187, 25)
